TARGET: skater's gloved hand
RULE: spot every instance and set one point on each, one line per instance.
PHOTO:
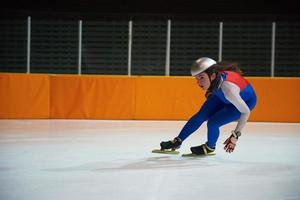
(230, 144)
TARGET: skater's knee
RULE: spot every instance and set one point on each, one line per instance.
(211, 123)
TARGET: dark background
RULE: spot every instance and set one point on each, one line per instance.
(166, 7)
(195, 33)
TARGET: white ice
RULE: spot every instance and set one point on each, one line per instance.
(112, 160)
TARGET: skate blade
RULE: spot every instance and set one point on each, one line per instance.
(195, 155)
(165, 151)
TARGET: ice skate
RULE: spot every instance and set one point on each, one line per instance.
(202, 150)
(169, 147)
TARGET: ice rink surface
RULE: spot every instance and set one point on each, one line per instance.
(112, 160)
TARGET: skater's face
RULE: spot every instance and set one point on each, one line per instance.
(203, 80)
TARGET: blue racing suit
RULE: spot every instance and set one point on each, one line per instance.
(220, 109)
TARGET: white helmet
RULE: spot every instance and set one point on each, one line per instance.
(201, 65)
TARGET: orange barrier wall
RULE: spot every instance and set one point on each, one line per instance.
(24, 96)
(137, 97)
(179, 97)
(278, 99)
(92, 97)
(167, 97)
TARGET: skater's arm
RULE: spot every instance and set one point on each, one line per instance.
(232, 94)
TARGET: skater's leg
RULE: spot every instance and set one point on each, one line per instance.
(224, 116)
(210, 106)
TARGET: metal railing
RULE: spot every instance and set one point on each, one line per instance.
(168, 47)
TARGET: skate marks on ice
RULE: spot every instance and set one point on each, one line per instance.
(242, 168)
(246, 168)
(151, 163)
(161, 162)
